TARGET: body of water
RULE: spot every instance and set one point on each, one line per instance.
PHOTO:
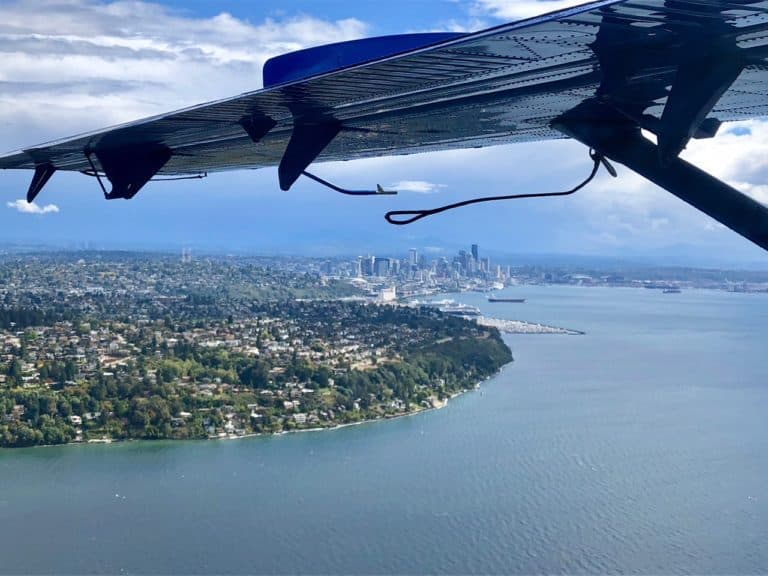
(640, 447)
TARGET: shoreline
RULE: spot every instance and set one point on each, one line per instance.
(443, 403)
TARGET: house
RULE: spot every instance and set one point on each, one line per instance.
(300, 418)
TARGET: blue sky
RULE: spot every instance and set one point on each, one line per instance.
(76, 65)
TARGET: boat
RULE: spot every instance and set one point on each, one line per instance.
(671, 290)
(514, 300)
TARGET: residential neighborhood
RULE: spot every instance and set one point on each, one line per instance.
(136, 346)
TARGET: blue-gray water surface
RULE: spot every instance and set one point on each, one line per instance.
(639, 447)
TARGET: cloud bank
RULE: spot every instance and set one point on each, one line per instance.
(111, 62)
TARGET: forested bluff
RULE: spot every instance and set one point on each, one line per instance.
(180, 362)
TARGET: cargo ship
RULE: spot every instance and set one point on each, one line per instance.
(513, 300)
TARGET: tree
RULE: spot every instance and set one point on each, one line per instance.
(254, 376)
(65, 408)
(48, 405)
(15, 370)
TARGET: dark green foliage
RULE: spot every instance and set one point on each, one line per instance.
(19, 318)
(168, 386)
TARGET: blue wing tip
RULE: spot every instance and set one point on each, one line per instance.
(303, 64)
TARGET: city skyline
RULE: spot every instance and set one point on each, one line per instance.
(463, 264)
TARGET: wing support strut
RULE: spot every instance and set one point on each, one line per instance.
(698, 86)
(129, 168)
(43, 173)
(610, 133)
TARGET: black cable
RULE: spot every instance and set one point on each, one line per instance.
(419, 214)
(378, 192)
(96, 174)
(198, 176)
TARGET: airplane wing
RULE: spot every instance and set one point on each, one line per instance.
(599, 73)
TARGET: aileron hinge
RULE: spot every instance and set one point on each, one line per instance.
(308, 139)
(129, 168)
(257, 125)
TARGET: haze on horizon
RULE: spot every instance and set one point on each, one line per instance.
(83, 65)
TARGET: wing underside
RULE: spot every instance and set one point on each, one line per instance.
(599, 73)
(498, 86)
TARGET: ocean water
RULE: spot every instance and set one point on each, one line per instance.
(639, 447)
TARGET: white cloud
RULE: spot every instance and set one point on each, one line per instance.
(419, 186)
(31, 208)
(111, 62)
(519, 9)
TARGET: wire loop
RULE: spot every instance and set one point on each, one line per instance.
(414, 215)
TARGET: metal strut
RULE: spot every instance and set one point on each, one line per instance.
(610, 133)
(699, 84)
